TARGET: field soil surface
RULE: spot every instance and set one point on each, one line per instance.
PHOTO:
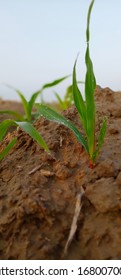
(39, 192)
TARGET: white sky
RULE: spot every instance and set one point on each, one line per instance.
(40, 39)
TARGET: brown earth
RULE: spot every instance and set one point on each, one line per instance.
(10, 105)
(37, 208)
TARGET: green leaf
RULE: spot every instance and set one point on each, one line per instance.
(32, 101)
(90, 85)
(27, 127)
(23, 100)
(68, 98)
(78, 100)
(52, 115)
(55, 82)
(4, 127)
(8, 148)
(13, 113)
(61, 103)
(48, 85)
(30, 129)
(25, 104)
(100, 139)
(88, 21)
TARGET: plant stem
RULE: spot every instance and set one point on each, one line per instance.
(91, 164)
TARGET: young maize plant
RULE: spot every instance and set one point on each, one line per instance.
(28, 105)
(67, 100)
(86, 109)
(27, 127)
(25, 121)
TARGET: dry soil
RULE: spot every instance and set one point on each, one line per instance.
(38, 191)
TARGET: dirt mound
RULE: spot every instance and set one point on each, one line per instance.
(10, 105)
(38, 191)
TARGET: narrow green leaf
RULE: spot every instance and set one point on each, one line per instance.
(78, 100)
(32, 100)
(55, 82)
(13, 113)
(23, 100)
(52, 115)
(8, 148)
(61, 103)
(30, 129)
(90, 85)
(4, 125)
(68, 98)
(88, 21)
(27, 127)
(100, 139)
(69, 91)
(25, 104)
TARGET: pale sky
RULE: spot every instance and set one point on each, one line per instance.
(40, 39)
